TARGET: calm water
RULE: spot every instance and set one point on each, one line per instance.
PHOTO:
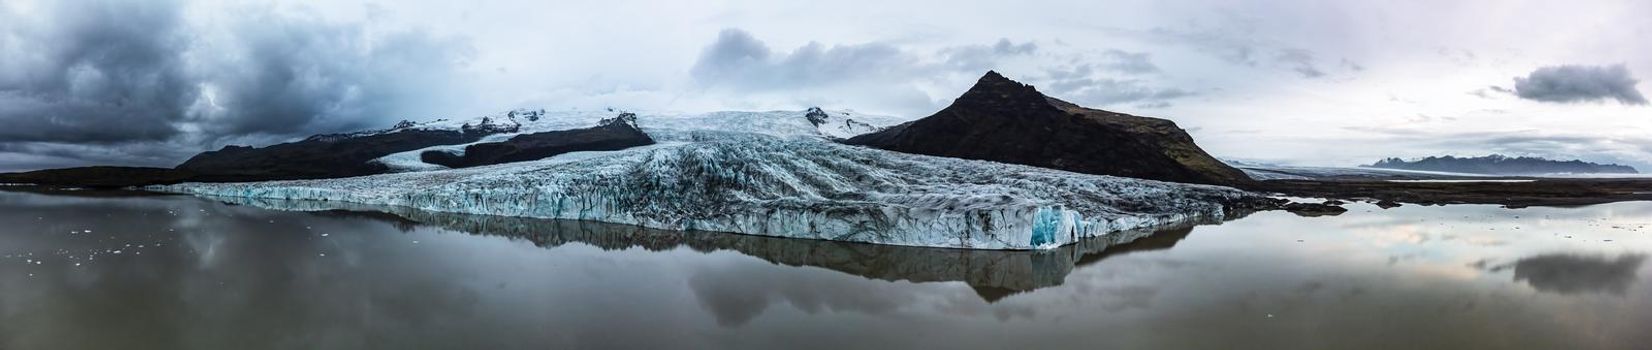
(186, 273)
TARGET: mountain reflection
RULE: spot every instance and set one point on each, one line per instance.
(180, 272)
(993, 274)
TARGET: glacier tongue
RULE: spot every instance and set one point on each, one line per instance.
(786, 187)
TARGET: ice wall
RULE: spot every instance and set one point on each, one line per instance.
(784, 187)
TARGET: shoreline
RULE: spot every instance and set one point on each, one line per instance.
(1537, 192)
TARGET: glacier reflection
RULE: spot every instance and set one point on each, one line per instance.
(179, 272)
(993, 274)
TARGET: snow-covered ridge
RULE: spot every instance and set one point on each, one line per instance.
(782, 186)
(810, 123)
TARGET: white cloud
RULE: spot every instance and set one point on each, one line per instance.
(1259, 79)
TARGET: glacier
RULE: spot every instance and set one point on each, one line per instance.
(704, 177)
(662, 126)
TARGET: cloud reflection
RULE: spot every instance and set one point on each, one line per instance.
(1570, 274)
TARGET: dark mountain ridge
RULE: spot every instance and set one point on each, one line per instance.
(344, 155)
(1502, 165)
(611, 134)
(318, 157)
(1005, 121)
(98, 177)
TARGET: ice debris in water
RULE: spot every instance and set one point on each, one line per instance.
(765, 185)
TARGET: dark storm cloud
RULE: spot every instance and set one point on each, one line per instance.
(22, 156)
(739, 61)
(137, 77)
(93, 72)
(1574, 274)
(313, 76)
(1578, 83)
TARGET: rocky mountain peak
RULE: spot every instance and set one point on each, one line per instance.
(816, 116)
(529, 114)
(995, 91)
(489, 125)
(624, 118)
(1006, 121)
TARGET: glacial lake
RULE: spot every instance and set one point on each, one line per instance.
(102, 271)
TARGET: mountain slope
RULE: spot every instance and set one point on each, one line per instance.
(613, 134)
(1002, 120)
(404, 147)
(322, 156)
(517, 135)
(344, 155)
(813, 123)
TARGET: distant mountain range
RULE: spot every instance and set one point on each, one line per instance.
(1502, 165)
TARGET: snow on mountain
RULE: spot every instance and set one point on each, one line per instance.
(708, 176)
(840, 125)
(811, 123)
(1284, 172)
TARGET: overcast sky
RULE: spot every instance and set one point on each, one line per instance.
(1301, 82)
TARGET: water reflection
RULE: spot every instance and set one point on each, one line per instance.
(186, 273)
(162, 272)
(736, 294)
(993, 274)
(1573, 274)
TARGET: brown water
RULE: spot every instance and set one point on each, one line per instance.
(187, 273)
